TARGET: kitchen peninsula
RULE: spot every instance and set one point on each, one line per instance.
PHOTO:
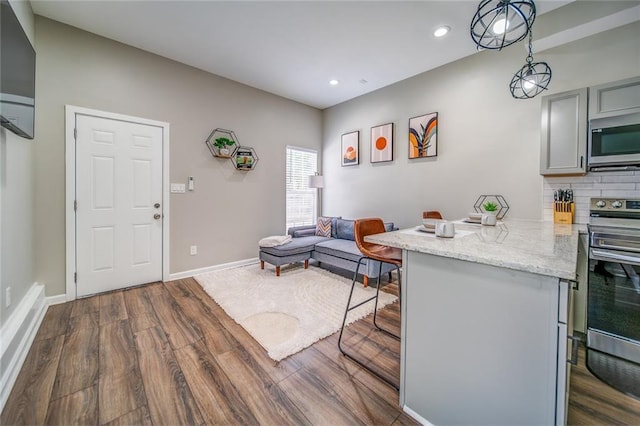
(484, 322)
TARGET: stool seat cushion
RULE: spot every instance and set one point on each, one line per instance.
(295, 246)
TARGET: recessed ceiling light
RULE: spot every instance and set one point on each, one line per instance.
(334, 82)
(441, 31)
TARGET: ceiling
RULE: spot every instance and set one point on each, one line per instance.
(288, 48)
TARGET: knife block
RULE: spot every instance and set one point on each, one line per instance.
(563, 212)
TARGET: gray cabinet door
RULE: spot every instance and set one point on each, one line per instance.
(614, 99)
(564, 133)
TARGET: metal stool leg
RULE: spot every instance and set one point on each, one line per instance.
(375, 323)
(344, 320)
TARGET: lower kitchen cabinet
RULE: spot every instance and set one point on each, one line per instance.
(483, 344)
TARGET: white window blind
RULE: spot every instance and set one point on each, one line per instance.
(301, 200)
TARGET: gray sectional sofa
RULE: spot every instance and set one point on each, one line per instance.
(338, 251)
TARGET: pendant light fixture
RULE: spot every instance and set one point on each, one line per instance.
(531, 79)
(500, 23)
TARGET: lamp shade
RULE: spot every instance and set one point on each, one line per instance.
(316, 181)
(500, 23)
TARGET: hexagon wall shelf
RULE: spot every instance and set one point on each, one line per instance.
(245, 158)
(222, 143)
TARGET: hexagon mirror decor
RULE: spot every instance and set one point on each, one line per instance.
(245, 158)
(222, 143)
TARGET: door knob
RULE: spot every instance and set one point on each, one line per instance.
(156, 216)
(156, 205)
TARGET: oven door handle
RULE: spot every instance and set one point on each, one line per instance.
(609, 256)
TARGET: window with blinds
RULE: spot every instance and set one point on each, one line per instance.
(301, 200)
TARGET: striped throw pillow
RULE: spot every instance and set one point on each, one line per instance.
(323, 228)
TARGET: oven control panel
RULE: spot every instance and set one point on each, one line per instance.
(631, 205)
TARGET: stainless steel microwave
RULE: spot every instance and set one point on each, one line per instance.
(614, 143)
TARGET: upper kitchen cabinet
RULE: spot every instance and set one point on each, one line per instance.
(615, 99)
(564, 133)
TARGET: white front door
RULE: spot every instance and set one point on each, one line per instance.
(119, 204)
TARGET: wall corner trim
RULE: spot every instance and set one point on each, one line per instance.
(17, 335)
(230, 265)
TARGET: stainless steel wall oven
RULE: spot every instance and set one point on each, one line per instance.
(613, 309)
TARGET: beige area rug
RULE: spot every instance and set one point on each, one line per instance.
(288, 313)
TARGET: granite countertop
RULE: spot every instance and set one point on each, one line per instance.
(538, 247)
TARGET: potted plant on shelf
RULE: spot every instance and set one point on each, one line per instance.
(222, 144)
(490, 207)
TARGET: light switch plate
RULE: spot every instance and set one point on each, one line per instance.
(178, 188)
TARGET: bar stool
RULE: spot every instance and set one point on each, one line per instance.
(431, 214)
(382, 254)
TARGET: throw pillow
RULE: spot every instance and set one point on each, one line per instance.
(323, 228)
(345, 229)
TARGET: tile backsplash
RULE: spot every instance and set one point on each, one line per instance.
(601, 184)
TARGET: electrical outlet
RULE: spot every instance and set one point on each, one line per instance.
(194, 250)
(7, 297)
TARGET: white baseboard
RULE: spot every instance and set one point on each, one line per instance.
(417, 417)
(56, 300)
(191, 273)
(17, 335)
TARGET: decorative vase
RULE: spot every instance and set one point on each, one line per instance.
(224, 152)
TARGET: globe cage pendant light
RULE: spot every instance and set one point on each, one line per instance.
(531, 79)
(500, 23)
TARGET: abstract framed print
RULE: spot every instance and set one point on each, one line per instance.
(382, 143)
(423, 136)
(350, 148)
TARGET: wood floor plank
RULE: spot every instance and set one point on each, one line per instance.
(268, 403)
(169, 398)
(139, 308)
(117, 345)
(29, 399)
(340, 387)
(200, 313)
(55, 321)
(112, 307)
(179, 328)
(215, 394)
(319, 404)
(79, 408)
(219, 341)
(138, 417)
(120, 382)
(255, 355)
(85, 306)
(120, 395)
(79, 361)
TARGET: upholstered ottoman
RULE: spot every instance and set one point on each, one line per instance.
(296, 250)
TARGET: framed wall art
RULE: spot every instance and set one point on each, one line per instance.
(351, 148)
(423, 136)
(382, 143)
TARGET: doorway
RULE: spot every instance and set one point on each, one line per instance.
(117, 201)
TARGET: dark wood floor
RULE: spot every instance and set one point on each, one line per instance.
(167, 354)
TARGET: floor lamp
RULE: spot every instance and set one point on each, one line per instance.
(317, 181)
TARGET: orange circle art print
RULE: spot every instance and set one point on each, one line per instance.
(382, 143)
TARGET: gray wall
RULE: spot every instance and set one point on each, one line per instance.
(488, 142)
(229, 211)
(16, 202)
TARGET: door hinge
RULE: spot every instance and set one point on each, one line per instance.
(75, 277)
(75, 205)
(75, 134)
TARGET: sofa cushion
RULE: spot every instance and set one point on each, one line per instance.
(345, 249)
(302, 231)
(323, 228)
(344, 229)
(295, 246)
